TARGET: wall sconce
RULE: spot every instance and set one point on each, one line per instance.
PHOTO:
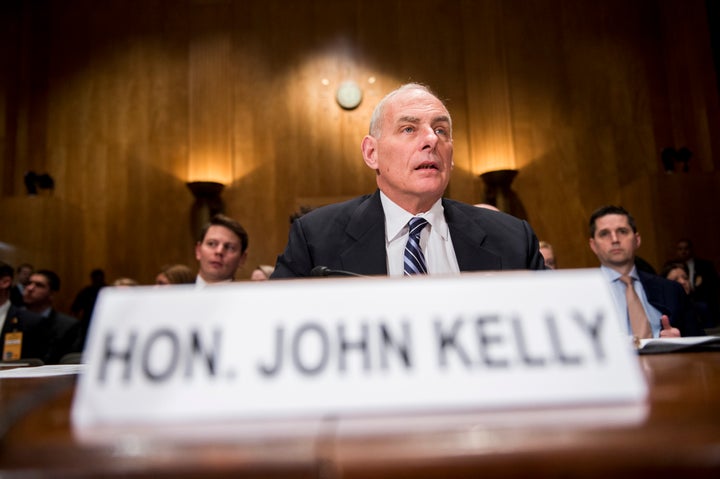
(208, 203)
(499, 194)
(33, 181)
(669, 156)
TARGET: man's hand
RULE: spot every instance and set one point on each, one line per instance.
(668, 331)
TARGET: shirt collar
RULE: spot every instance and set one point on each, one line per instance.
(396, 219)
(613, 275)
(201, 283)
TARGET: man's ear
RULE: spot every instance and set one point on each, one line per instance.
(5, 282)
(592, 245)
(243, 258)
(369, 151)
(638, 240)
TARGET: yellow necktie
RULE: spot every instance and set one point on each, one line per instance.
(638, 319)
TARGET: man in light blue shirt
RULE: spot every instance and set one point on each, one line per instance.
(614, 240)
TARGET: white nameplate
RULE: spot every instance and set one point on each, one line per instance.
(347, 346)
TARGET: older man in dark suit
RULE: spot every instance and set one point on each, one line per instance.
(411, 150)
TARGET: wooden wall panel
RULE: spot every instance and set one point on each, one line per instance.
(130, 101)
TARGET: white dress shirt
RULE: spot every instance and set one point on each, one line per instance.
(434, 239)
(4, 308)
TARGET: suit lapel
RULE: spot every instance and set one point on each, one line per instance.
(366, 237)
(654, 293)
(468, 238)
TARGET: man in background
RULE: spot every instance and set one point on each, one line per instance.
(63, 331)
(548, 253)
(220, 251)
(652, 306)
(703, 278)
(84, 303)
(21, 331)
(22, 276)
(406, 227)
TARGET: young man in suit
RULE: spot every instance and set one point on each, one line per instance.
(410, 147)
(21, 332)
(220, 251)
(614, 239)
(63, 331)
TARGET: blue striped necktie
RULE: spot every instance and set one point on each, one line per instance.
(414, 258)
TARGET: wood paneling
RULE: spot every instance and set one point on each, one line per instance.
(124, 103)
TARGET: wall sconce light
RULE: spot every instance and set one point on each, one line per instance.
(33, 181)
(208, 203)
(669, 156)
(499, 193)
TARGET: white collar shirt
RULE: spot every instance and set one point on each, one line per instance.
(435, 239)
(4, 308)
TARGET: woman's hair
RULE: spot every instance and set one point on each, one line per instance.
(178, 274)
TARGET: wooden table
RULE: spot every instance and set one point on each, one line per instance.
(675, 434)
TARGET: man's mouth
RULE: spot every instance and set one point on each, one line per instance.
(427, 166)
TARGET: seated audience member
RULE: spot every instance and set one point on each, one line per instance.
(125, 282)
(63, 331)
(653, 306)
(548, 253)
(84, 303)
(677, 271)
(22, 277)
(262, 273)
(703, 277)
(21, 331)
(406, 227)
(220, 250)
(175, 274)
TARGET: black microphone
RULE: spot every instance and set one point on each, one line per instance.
(324, 271)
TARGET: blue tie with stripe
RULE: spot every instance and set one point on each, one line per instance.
(414, 258)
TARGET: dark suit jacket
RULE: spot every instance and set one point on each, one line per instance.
(34, 340)
(709, 288)
(16, 296)
(669, 298)
(350, 236)
(63, 336)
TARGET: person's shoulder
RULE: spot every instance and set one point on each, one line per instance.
(334, 210)
(26, 317)
(454, 208)
(65, 319)
(667, 285)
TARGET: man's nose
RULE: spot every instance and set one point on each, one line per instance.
(430, 138)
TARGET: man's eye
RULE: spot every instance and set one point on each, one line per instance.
(441, 131)
(408, 129)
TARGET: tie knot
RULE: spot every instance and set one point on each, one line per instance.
(626, 279)
(416, 225)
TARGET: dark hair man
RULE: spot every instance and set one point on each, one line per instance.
(63, 331)
(220, 250)
(21, 332)
(662, 310)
